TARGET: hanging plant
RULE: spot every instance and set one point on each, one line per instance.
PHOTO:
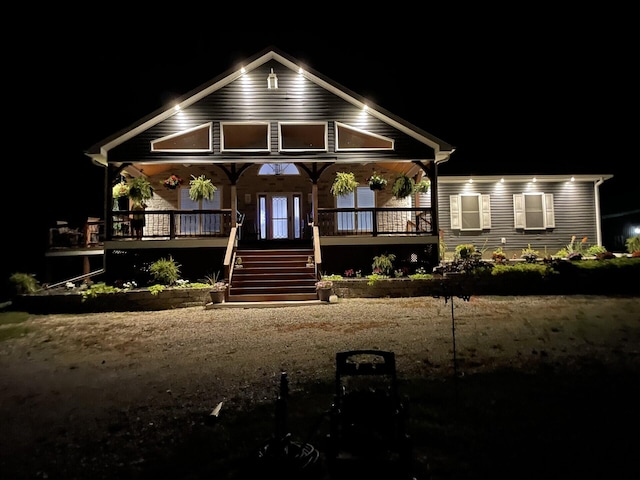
(344, 183)
(376, 182)
(172, 182)
(201, 188)
(140, 189)
(120, 189)
(403, 186)
(423, 186)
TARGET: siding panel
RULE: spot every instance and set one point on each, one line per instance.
(574, 206)
(248, 99)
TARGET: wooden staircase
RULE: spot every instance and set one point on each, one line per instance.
(269, 275)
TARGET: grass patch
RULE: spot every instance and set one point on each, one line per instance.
(9, 327)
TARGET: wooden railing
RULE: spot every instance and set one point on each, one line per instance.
(177, 224)
(374, 221)
(171, 224)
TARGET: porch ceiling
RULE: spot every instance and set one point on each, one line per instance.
(408, 168)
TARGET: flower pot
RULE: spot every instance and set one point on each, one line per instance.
(217, 296)
(324, 294)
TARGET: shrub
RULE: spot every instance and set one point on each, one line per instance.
(633, 244)
(529, 254)
(383, 264)
(24, 283)
(465, 250)
(165, 271)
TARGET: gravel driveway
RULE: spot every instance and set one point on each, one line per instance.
(84, 394)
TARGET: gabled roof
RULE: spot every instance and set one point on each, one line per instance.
(99, 151)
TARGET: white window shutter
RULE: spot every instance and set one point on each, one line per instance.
(549, 214)
(454, 211)
(485, 214)
(518, 211)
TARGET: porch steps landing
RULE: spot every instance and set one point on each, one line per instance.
(273, 275)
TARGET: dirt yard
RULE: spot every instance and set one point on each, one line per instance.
(116, 395)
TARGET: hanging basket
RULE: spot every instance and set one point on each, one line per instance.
(344, 183)
(403, 186)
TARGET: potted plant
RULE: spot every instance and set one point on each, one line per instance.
(140, 190)
(201, 188)
(530, 255)
(376, 182)
(323, 287)
(499, 256)
(422, 186)
(218, 288)
(403, 186)
(120, 194)
(344, 183)
(172, 182)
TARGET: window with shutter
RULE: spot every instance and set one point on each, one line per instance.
(470, 212)
(533, 211)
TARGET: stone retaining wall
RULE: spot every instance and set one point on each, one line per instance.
(133, 300)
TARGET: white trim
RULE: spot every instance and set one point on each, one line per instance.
(338, 125)
(184, 132)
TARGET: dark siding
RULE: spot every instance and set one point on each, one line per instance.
(575, 214)
(296, 99)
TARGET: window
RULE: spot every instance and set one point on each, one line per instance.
(470, 211)
(303, 137)
(196, 139)
(200, 223)
(362, 197)
(278, 169)
(533, 211)
(245, 137)
(351, 138)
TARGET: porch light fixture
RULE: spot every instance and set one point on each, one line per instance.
(272, 81)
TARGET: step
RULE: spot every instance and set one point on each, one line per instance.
(272, 297)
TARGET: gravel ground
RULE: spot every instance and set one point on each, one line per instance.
(83, 394)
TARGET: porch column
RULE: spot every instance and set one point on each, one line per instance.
(234, 205)
(314, 201)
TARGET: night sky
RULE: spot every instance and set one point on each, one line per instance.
(535, 94)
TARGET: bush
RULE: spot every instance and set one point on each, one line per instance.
(22, 283)
(383, 264)
(165, 271)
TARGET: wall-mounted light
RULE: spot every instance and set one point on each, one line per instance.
(272, 81)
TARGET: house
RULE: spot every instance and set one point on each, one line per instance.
(272, 135)
(514, 212)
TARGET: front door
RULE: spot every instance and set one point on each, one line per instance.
(280, 216)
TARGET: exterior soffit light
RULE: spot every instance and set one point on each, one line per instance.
(272, 81)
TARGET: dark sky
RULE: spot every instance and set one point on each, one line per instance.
(532, 94)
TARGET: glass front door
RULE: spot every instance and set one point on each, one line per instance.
(280, 216)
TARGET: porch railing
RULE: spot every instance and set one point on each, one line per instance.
(171, 224)
(176, 224)
(375, 221)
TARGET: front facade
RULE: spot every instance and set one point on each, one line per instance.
(272, 135)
